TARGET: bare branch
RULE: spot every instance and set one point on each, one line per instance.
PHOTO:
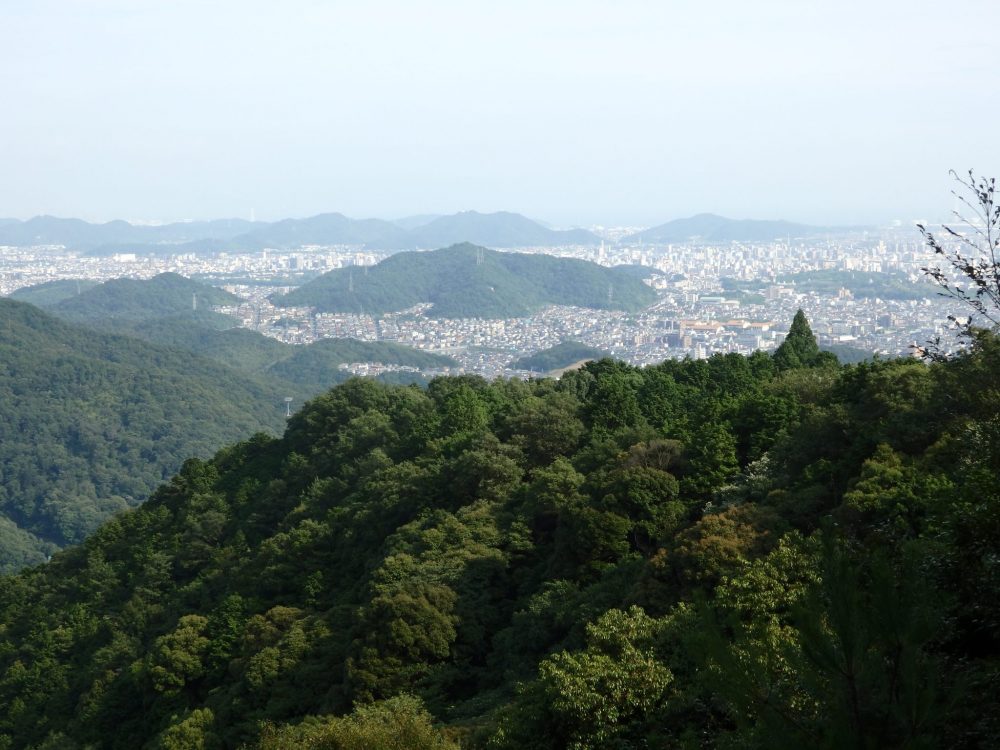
(972, 257)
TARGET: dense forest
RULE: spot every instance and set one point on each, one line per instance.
(91, 423)
(313, 367)
(465, 281)
(739, 552)
(129, 300)
(52, 293)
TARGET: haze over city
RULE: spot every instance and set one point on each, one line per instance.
(577, 113)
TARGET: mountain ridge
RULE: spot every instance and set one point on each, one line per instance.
(138, 299)
(621, 558)
(91, 422)
(466, 281)
(499, 229)
(710, 227)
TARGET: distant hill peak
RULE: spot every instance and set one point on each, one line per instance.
(709, 227)
(468, 281)
(132, 299)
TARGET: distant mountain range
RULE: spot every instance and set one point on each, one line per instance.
(82, 235)
(465, 281)
(501, 229)
(714, 228)
(419, 220)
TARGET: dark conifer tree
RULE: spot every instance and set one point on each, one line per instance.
(799, 349)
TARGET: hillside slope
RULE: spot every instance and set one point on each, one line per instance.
(469, 281)
(714, 228)
(52, 293)
(91, 423)
(626, 558)
(134, 299)
(312, 368)
(500, 229)
(559, 356)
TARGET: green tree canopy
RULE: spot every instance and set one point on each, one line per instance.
(799, 349)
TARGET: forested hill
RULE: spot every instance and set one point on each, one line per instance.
(713, 228)
(90, 424)
(759, 552)
(134, 299)
(52, 293)
(469, 281)
(500, 229)
(318, 362)
(559, 356)
(312, 368)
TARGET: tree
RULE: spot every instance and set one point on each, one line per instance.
(594, 698)
(972, 265)
(178, 658)
(799, 349)
(853, 666)
(399, 722)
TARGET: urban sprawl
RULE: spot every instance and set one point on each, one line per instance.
(704, 306)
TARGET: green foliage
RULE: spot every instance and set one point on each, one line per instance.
(52, 293)
(395, 724)
(192, 732)
(309, 369)
(851, 668)
(799, 349)
(715, 553)
(826, 283)
(502, 285)
(90, 424)
(559, 356)
(316, 364)
(135, 300)
(178, 658)
(587, 700)
(863, 285)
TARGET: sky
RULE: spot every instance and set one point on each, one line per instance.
(574, 112)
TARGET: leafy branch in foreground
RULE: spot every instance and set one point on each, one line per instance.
(972, 254)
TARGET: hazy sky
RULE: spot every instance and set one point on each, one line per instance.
(575, 112)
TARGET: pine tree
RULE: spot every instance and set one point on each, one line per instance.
(799, 349)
